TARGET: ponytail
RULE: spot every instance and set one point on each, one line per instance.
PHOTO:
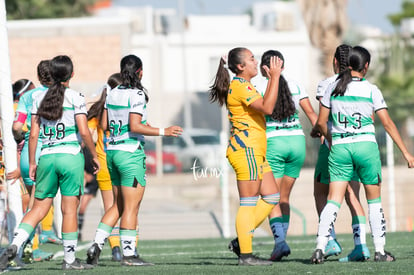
(219, 90)
(284, 107)
(357, 59)
(344, 78)
(51, 107)
(131, 67)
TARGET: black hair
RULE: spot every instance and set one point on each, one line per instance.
(43, 73)
(95, 111)
(341, 56)
(284, 107)
(131, 66)
(220, 87)
(61, 69)
(357, 59)
(20, 87)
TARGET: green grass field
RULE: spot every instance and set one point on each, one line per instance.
(210, 256)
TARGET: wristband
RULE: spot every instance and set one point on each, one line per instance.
(161, 132)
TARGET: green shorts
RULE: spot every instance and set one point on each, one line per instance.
(64, 171)
(364, 157)
(321, 169)
(126, 168)
(286, 155)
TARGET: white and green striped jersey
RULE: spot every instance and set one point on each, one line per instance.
(320, 92)
(323, 84)
(120, 102)
(289, 126)
(61, 136)
(352, 113)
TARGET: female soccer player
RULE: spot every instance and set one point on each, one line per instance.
(59, 114)
(321, 179)
(22, 121)
(125, 117)
(286, 148)
(351, 101)
(246, 151)
(103, 177)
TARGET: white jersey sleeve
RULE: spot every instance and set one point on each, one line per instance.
(120, 103)
(137, 102)
(325, 100)
(323, 85)
(378, 99)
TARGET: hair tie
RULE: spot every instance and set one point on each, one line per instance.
(23, 90)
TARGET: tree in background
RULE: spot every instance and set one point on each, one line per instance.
(394, 74)
(34, 9)
(407, 12)
(326, 22)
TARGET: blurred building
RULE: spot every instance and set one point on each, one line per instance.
(180, 55)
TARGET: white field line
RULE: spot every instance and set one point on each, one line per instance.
(81, 248)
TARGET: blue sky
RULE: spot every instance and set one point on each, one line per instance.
(371, 12)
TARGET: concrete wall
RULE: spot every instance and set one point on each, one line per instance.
(95, 47)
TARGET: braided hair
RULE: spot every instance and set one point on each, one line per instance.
(284, 107)
(43, 73)
(61, 69)
(341, 55)
(357, 59)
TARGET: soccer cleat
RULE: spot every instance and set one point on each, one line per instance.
(27, 256)
(280, 250)
(234, 246)
(76, 265)
(332, 248)
(7, 255)
(16, 264)
(116, 254)
(386, 257)
(49, 238)
(359, 254)
(317, 257)
(40, 255)
(93, 254)
(134, 261)
(250, 260)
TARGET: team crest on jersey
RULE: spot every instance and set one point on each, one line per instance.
(250, 98)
